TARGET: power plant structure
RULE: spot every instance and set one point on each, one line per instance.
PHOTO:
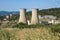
(22, 18)
(34, 18)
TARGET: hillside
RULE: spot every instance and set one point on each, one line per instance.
(51, 11)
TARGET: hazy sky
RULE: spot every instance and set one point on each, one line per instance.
(14, 5)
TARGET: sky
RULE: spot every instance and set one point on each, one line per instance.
(15, 5)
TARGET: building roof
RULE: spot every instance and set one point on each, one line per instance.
(50, 16)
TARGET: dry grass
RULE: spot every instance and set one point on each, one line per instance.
(27, 34)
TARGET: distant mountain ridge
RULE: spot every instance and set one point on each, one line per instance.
(6, 12)
(50, 11)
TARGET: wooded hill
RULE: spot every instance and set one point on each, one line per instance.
(51, 11)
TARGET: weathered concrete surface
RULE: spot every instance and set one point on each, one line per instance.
(34, 19)
(22, 18)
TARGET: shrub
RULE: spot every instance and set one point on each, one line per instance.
(20, 25)
(55, 28)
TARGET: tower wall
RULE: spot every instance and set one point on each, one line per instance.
(22, 18)
(34, 19)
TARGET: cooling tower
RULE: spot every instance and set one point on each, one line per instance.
(34, 19)
(22, 18)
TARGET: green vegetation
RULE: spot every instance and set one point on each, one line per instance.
(41, 33)
(54, 28)
(30, 32)
(14, 17)
(5, 35)
(51, 11)
(19, 31)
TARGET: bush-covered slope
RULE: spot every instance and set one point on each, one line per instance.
(52, 11)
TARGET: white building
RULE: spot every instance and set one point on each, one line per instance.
(47, 18)
(50, 17)
(28, 21)
(7, 17)
(57, 21)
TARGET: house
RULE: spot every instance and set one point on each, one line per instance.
(7, 17)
